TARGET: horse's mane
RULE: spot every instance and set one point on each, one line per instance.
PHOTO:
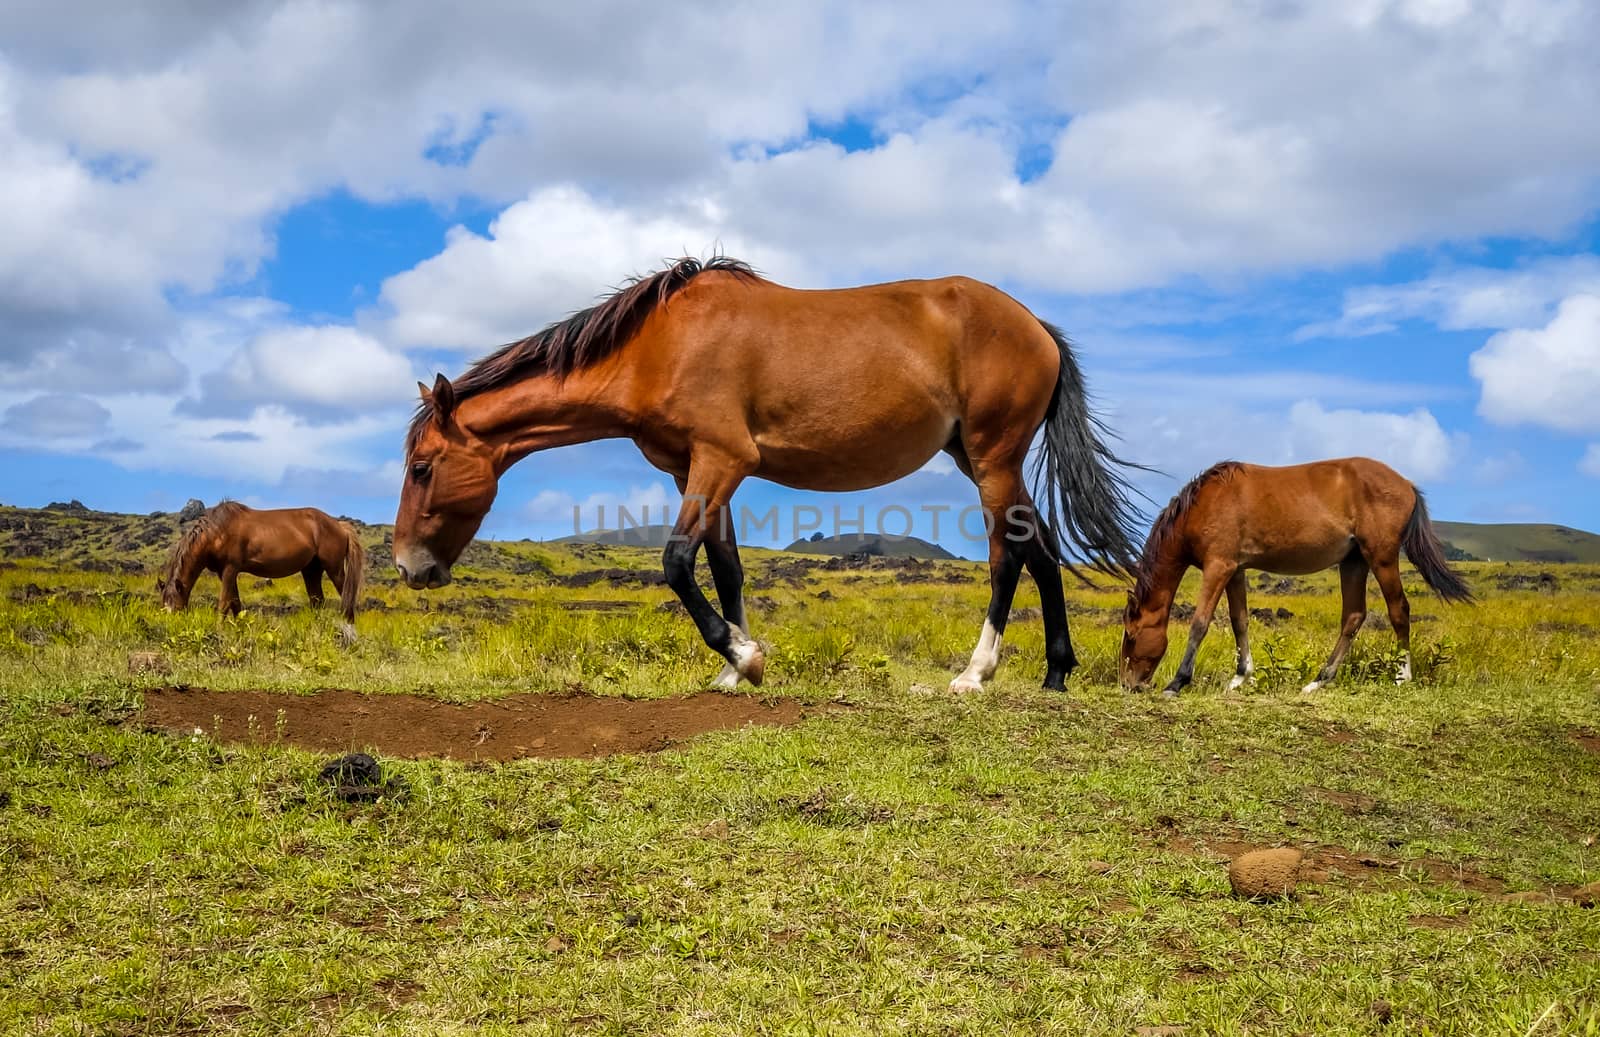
(583, 339)
(214, 517)
(1166, 524)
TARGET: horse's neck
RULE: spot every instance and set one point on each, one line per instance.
(195, 560)
(1166, 573)
(543, 412)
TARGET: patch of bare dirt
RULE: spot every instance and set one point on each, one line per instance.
(546, 726)
(1323, 863)
(1589, 740)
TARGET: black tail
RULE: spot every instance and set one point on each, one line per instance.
(1427, 554)
(1087, 503)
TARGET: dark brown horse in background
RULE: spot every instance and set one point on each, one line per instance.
(231, 538)
(1356, 513)
(720, 375)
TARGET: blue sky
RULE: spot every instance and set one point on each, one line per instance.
(236, 237)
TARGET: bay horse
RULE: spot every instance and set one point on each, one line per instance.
(231, 538)
(719, 375)
(1355, 512)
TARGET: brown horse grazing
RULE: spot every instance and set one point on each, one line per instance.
(720, 375)
(230, 539)
(1355, 512)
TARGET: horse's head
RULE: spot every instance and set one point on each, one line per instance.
(1144, 642)
(174, 595)
(450, 483)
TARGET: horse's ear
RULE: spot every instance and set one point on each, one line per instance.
(443, 398)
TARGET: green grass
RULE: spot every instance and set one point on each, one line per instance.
(1014, 861)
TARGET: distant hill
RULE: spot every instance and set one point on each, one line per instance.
(633, 536)
(1520, 541)
(859, 544)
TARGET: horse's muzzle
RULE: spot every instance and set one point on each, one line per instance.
(429, 577)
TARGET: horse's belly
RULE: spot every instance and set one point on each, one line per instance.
(852, 457)
(1299, 561)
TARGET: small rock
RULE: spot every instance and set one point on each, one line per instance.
(1097, 867)
(354, 769)
(192, 510)
(1382, 1011)
(1532, 896)
(1265, 874)
(555, 945)
(148, 662)
(1587, 896)
(100, 761)
(717, 828)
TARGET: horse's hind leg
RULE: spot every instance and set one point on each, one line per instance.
(1353, 583)
(1394, 595)
(313, 578)
(1045, 568)
(1239, 617)
(727, 573)
(999, 488)
(1212, 584)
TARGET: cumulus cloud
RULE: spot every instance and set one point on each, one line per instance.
(1413, 444)
(57, 416)
(321, 371)
(1181, 441)
(1547, 376)
(543, 258)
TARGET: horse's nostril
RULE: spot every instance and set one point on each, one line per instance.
(405, 574)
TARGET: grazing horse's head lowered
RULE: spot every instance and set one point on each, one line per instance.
(450, 483)
(1144, 642)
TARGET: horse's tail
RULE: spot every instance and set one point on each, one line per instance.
(1088, 503)
(355, 567)
(1423, 547)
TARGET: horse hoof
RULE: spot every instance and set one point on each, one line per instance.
(728, 678)
(749, 663)
(964, 684)
(1309, 688)
(1169, 693)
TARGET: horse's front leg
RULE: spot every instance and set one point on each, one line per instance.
(1239, 617)
(1212, 583)
(709, 488)
(228, 603)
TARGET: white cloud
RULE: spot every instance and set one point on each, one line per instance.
(1590, 464)
(56, 416)
(1459, 299)
(1181, 440)
(543, 258)
(1413, 444)
(1547, 376)
(323, 371)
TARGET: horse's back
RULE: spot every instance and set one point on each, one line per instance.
(1305, 517)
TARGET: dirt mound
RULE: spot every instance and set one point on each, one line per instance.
(505, 729)
(1265, 874)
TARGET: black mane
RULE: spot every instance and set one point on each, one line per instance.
(586, 337)
(1167, 522)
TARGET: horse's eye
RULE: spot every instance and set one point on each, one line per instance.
(420, 470)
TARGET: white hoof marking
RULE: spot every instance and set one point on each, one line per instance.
(1313, 686)
(964, 684)
(1237, 682)
(728, 678)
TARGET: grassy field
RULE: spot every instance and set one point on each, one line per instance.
(903, 861)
